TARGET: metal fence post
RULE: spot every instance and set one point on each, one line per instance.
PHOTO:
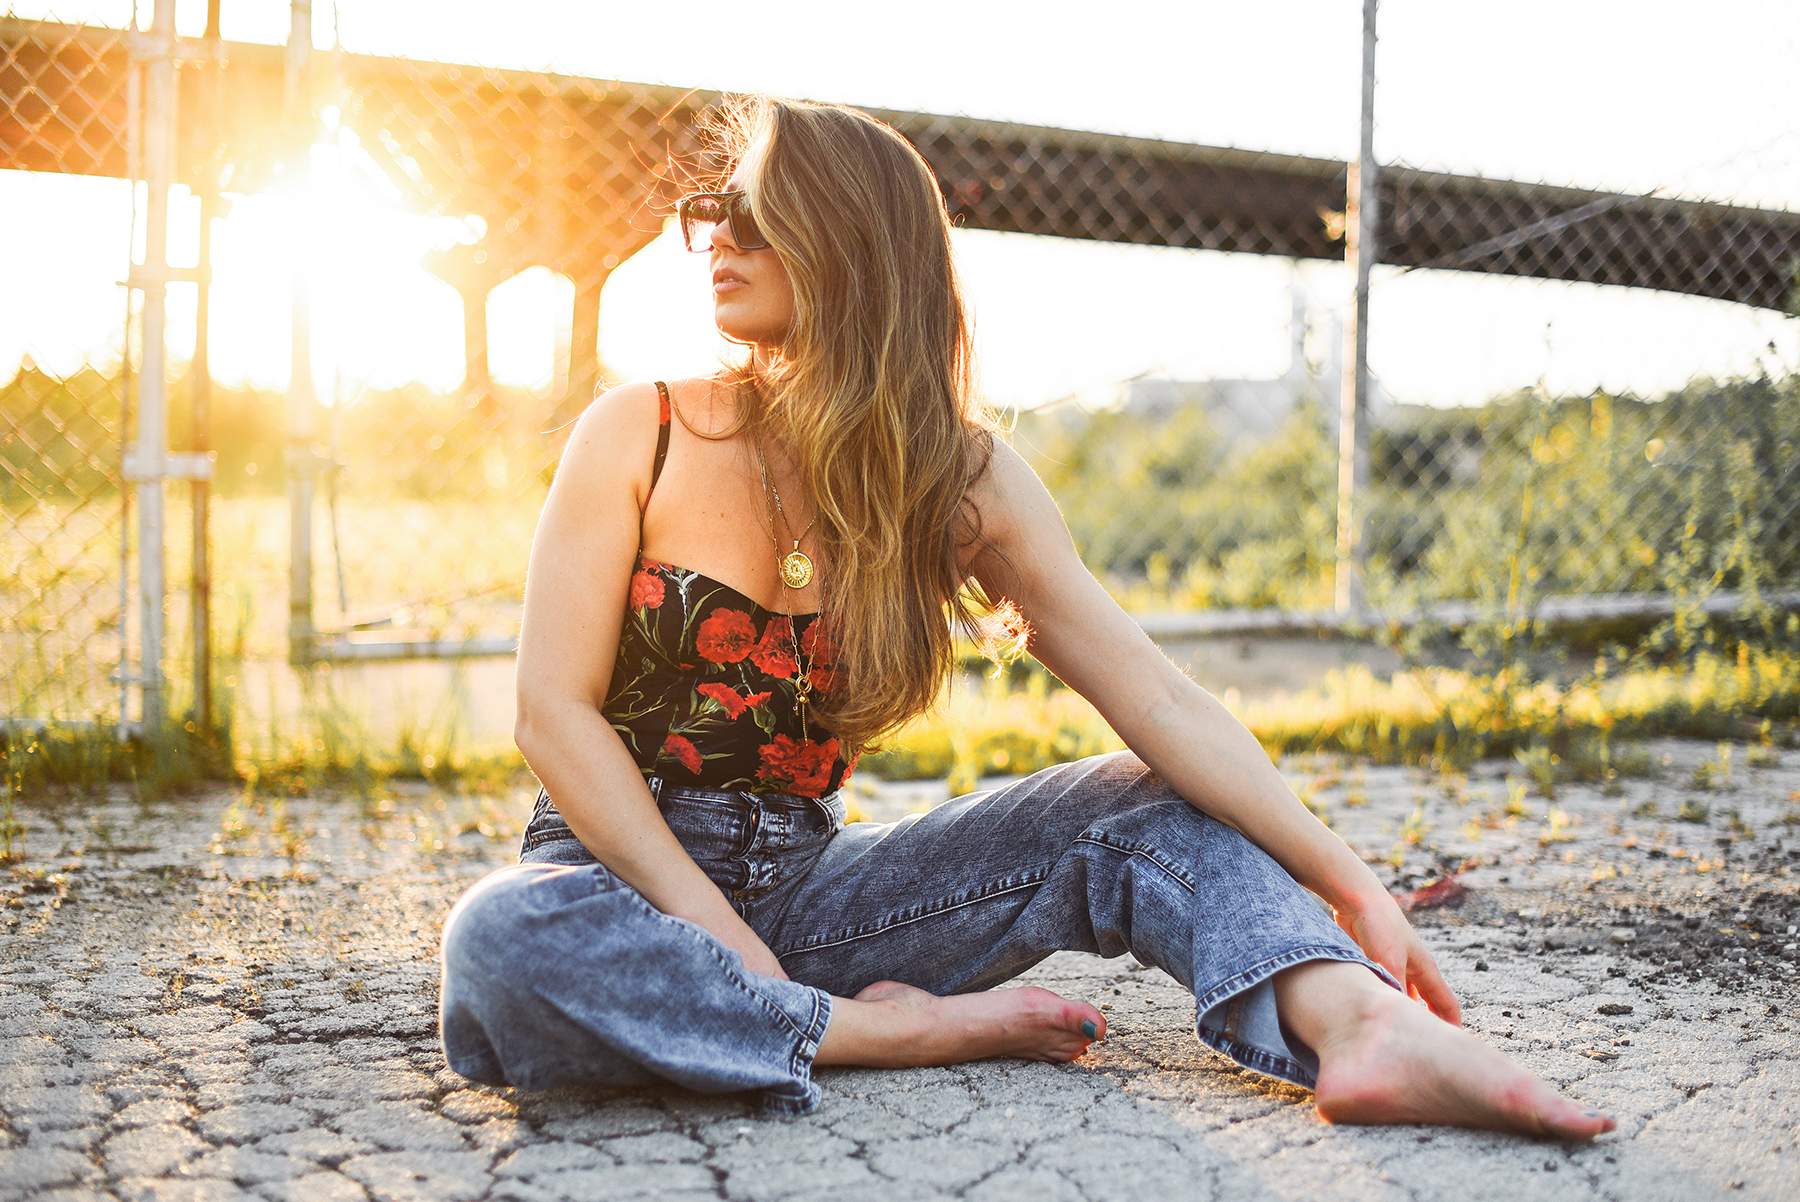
(134, 153)
(200, 381)
(150, 464)
(302, 425)
(1360, 253)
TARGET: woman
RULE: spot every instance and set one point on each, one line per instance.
(690, 906)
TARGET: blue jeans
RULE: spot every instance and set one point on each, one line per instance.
(556, 972)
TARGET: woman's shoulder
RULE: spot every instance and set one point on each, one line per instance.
(1008, 506)
(616, 435)
(698, 403)
(636, 408)
(1004, 477)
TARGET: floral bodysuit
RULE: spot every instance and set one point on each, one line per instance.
(703, 688)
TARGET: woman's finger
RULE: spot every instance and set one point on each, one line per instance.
(1432, 987)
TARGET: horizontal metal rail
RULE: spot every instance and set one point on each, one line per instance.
(1556, 612)
(352, 650)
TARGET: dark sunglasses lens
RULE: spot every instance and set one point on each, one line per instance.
(744, 230)
(699, 214)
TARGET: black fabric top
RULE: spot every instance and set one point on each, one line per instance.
(703, 688)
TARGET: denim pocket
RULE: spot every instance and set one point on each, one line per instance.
(546, 825)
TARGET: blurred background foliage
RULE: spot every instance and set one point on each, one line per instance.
(1522, 497)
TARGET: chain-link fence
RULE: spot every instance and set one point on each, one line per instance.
(416, 268)
(63, 417)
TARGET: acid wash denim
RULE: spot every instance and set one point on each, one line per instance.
(556, 972)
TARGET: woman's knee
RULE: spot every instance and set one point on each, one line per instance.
(488, 935)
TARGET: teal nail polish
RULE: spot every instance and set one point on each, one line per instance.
(1090, 1030)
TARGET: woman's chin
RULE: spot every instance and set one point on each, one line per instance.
(747, 336)
(739, 324)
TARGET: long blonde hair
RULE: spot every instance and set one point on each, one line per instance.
(872, 393)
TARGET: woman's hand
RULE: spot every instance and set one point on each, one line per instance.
(1384, 935)
(757, 956)
(708, 910)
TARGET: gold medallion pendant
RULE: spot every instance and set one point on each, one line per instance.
(796, 568)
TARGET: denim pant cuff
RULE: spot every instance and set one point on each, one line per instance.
(801, 1096)
(1238, 1015)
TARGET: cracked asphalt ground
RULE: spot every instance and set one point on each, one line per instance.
(216, 997)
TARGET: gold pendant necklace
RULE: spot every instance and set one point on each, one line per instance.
(796, 571)
(796, 568)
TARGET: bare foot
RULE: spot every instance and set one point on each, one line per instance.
(890, 1025)
(1397, 1063)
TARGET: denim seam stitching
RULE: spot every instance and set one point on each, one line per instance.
(808, 1047)
(1256, 974)
(1144, 852)
(1032, 881)
(1235, 986)
(805, 1096)
(1282, 1067)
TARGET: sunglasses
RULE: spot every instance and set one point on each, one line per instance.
(702, 211)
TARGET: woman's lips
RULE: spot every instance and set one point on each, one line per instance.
(726, 282)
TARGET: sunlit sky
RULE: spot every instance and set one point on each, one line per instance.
(1692, 100)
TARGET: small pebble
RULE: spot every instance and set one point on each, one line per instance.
(1623, 935)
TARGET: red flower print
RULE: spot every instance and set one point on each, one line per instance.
(823, 679)
(684, 751)
(771, 654)
(818, 644)
(647, 591)
(662, 414)
(726, 636)
(724, 694)
(728, 697)
(654, 565)
(801, 764)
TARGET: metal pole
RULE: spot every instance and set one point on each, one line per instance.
(152, 425)
(1360, 253)
(200, 379)
(134, 116)
(301, 462)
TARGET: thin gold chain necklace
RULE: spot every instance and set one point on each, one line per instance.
(796, 571)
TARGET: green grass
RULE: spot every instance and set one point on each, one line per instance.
(1438, 717)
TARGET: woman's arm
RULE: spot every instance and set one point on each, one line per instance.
(582, 558)
(1177, 728)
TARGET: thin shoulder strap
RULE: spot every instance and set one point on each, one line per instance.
(662, 437)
